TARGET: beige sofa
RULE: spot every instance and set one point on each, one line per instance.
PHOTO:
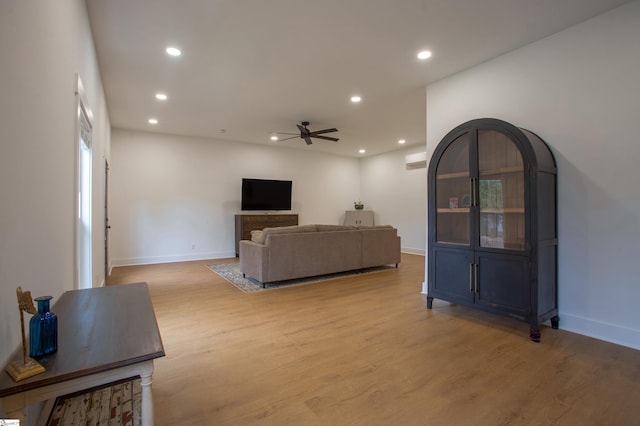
(279, 254)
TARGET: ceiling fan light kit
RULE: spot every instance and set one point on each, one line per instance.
(307, 134)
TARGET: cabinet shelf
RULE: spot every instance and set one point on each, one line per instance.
(455, 175)
(486, 172)
(482, 211)
(457, 210)
(500, 211)
(501, 171)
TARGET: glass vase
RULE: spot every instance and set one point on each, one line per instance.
(43, 330)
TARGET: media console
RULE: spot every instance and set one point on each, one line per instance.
(245, 223)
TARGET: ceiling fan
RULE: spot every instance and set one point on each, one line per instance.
(307, 134)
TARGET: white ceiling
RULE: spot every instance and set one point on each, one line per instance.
(253, 67)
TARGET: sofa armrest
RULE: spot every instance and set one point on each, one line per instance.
(254, 260)
(380, 247)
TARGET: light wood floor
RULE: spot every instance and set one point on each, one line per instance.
(365, 351)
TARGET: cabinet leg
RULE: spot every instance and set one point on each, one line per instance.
(429, 302)
(147, 399)
(554, 322)
(534, 335)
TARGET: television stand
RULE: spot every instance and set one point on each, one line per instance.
(245, 223)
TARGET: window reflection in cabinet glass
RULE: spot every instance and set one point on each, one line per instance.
(501, 192)
(452, 193)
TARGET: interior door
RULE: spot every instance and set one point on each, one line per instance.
(106, 220)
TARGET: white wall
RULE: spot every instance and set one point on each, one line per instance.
(43, 45)
(579, 91)
(397, 195)
(174, 198)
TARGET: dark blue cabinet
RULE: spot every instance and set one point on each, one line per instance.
(492, 222)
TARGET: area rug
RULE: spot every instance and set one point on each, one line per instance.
(231, 272)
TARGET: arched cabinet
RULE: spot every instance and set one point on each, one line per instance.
(492, 222)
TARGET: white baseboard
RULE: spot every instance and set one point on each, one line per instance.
(412, 250)
(170, 259)
(599, 330)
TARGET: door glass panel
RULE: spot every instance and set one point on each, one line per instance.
(501, 192)
(453, 199)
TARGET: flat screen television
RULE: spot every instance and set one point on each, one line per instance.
(266, 194)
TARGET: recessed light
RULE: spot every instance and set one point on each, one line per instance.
(173, 51)
(274, 137)
(153, 121)
(161, 96)
(425, 54)
(355, 99)
(402, 141)
(362, 151)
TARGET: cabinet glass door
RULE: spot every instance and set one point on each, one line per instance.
(501, 192)
(453, 197)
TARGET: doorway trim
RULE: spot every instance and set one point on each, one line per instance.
(83, 199)
(107, 227)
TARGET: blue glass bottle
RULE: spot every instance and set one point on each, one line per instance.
(43, 330)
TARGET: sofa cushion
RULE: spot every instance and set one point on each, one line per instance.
(257, 236)
(261, 236)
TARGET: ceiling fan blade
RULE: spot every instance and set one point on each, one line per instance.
(319, 132)
(285, 133)
(303, 130)
(327, 138)
(308, 140)
(292, 137)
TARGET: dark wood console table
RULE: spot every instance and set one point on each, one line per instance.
(245, 223)
(104, 335)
